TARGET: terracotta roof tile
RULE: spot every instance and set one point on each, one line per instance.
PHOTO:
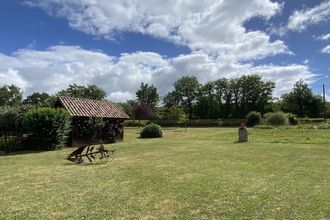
(92, 108)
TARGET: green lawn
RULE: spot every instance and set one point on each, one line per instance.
(198, 174)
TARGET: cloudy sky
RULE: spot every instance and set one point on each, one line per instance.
(45, 45)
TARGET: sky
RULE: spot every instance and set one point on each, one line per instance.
(45, 45)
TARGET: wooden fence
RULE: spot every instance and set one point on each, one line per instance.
(11, 143)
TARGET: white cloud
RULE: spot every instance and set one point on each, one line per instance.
(326, 49)
(212, 26)
(324, 37)
(10, 76)
(300, 20)
(284, 76)
(58, 66)
(120, 96)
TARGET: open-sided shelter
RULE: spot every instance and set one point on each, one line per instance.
(86, 114)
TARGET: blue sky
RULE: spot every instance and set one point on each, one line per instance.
(46, 45)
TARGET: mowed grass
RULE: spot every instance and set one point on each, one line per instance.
(198, 174)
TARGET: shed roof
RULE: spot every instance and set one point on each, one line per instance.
(79, 107)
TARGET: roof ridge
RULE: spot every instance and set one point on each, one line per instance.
(71, 97)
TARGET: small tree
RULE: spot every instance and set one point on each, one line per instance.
(142, 111)
(184, 119)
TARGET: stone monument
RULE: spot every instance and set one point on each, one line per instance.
(242, 133)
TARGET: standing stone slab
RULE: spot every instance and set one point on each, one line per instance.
(242, 133)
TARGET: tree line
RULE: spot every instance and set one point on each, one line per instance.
(222, 98)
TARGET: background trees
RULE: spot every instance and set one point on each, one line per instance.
(148, 95)
(184, 94)
(87, 92)
(223, 98)
(301, 101)
(40, 99)
(10, 95)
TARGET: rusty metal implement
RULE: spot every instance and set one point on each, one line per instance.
(91, 154)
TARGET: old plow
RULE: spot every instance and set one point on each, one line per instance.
(91, 154)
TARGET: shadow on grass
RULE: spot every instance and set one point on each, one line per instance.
(86, 164)
(6, 154)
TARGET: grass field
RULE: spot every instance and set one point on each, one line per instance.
(198, 174)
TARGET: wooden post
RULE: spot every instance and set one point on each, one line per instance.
(324, 106)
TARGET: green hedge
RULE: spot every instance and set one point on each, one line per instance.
(310, 120)
(49, 127)
(172, 123)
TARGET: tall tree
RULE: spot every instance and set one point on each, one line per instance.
(221, 95)
(148, 95)
(255, 95)
(206, 106)
(38, 99)
(88, 92)
(10, 95)
(184, 93)
(301, 101)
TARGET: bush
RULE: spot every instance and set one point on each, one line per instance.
(293, 120)
(151, 131)
(324, 126)
(253, 118)
(49, 127)
(276, 119)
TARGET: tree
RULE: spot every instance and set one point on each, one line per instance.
(223, 96)
(148, 94)
(174, 113)
(87, 92)
(301, 101)
(142, 111)
(127, 107)
(255, 94)
(184, 94)
(38, 99)
(10, 95)
(206, 106)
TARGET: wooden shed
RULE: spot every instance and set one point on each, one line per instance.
(85, 111)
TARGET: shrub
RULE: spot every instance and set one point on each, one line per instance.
(293, 120)
(151, 131)
(276, 119)
(324, 126)
(253, 118)
(49, 127)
